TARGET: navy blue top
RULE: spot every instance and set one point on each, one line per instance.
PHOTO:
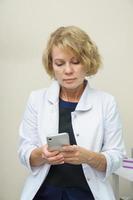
(67, 104)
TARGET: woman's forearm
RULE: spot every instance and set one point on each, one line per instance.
(36, 158)
(97, 160)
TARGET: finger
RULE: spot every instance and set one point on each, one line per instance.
(69, 148)
(51, 153)
(68, 154)
(56, 158)
(71, 161)
(61, 161)
(55, 162)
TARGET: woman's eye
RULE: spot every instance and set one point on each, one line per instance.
(76, 62)
(59, 64)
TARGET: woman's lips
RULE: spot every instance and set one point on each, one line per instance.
(69, 80)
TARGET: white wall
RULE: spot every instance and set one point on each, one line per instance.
(24, 29)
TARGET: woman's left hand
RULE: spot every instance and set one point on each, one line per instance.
(74, 154)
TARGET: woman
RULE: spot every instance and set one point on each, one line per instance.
(81, 170)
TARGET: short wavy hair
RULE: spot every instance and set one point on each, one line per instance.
(79, 42)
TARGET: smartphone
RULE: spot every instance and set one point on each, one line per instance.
(56, 142)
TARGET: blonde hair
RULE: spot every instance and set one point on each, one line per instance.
(78, 41)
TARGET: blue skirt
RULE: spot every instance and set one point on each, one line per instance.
(53, 193)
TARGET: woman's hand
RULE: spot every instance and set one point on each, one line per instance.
(74, 154)
(42, 155)
(52, 157)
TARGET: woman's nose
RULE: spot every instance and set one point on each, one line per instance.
(68, 68)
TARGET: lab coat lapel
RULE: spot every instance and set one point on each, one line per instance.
(50, 112)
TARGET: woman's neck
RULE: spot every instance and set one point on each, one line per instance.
(72, 95)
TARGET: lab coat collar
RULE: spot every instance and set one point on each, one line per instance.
(85, 102)
(53, 92)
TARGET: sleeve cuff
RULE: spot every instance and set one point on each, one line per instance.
(33, 170)
(112, 165)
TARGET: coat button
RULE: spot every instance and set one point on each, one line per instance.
(77, 134)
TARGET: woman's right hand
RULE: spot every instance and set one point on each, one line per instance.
(42, 155)
(52, 157)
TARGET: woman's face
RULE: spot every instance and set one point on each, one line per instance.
(67, 68)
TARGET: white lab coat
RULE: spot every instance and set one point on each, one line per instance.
(97, 127)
